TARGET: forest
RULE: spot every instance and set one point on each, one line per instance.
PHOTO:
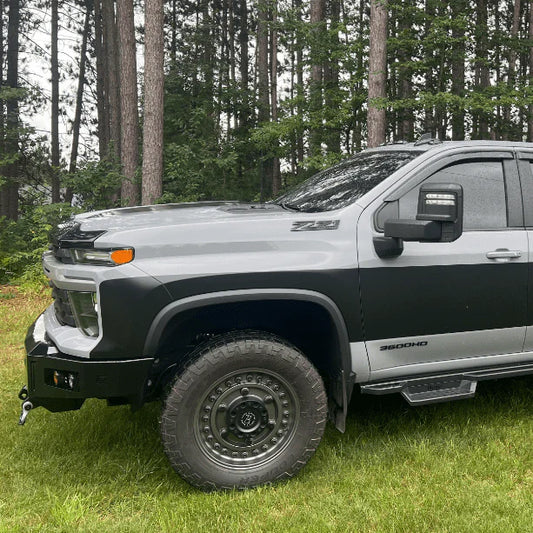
(179, 101)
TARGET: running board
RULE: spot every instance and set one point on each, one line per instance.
(444, 387)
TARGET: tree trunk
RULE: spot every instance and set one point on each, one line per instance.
(55, 104)
(331, 81)
(530, 107)
(316, 103)
(300, 151)
(9, 206)
(244, 118)
(276, 170)
(101, 85)
(129, 115)
(405, 79)
(482, 74)
(458, 70)
(263, 103)
(112, 78)
(152, 171)
(377, 73)
(511, 75)
(79, 98)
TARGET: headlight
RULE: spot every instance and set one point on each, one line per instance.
(85, 310)
(95, 256)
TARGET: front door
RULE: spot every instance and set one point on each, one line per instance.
(440, 302)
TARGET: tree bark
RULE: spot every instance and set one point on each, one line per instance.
(276, 170)
(263, 103)
(9, 205)
(79, 98)
(152, 172)
(530, 107)
(129, 116)
(244, 64)
(377, 75)
(331, 81)
(482, 74)
(112, 78)
(458, 71)
(55, 104)
(511, 75)
(101, 84)
(316, 102)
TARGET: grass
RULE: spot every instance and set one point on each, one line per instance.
(457, 467)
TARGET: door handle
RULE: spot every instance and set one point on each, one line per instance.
(503, 254)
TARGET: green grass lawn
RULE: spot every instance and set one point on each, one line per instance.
(458, 467)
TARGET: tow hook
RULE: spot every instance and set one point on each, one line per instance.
(27, 406)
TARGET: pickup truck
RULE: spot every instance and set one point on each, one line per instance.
(404, 269)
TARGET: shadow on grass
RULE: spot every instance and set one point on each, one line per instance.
(102, 446)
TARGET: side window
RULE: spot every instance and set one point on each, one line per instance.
(483, 183)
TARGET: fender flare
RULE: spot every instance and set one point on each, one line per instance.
(346, 378)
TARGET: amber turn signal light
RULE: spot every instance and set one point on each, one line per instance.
(121, 257)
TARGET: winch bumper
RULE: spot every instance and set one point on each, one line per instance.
(60, 382)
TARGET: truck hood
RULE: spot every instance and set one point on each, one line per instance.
(209, 237)
(173, 214)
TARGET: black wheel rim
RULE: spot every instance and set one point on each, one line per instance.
(247, 418)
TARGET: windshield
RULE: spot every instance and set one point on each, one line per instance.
(346, 182)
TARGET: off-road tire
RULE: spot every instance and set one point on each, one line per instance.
(248, 409)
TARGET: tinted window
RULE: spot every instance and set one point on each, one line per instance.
(346, 182)
(484, 193)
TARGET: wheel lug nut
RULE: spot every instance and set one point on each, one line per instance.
(219, 391)
(206, 429)
(224, 450)
(280, 433)
(216, 446)
(222, 407)
(207, 408)
(212, 398)
(245, 391)
(273, 440)
(244, 454)
(285, 413)
(255, 452)
(282, 395)
(271, 423)
(276, 388)
(284, 423)
(209, 437)
(284, 403)
(234, 454)
(229, 383)
(264, 447)
(268, 399)
(238, 379)
(205, 418)
(249, 377)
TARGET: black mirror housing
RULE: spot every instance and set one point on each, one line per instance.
(442, 202)
(414, 230)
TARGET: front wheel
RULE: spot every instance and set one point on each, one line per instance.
(250, 409)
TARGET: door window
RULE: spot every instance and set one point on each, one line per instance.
(484, 198)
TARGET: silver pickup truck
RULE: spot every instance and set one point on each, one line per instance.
(405, 269)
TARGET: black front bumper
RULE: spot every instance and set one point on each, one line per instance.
(120, 381)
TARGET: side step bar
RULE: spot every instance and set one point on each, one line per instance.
(444, 387)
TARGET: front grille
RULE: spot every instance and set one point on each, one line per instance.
(62, 307)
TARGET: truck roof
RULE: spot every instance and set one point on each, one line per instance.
(444, 145)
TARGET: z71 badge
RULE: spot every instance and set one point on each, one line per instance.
(315, 225)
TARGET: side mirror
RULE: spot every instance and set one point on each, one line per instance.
(439, 219)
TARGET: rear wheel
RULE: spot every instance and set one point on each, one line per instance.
(250, 409)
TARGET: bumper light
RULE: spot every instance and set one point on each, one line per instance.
(61, 379)
(94, 256)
